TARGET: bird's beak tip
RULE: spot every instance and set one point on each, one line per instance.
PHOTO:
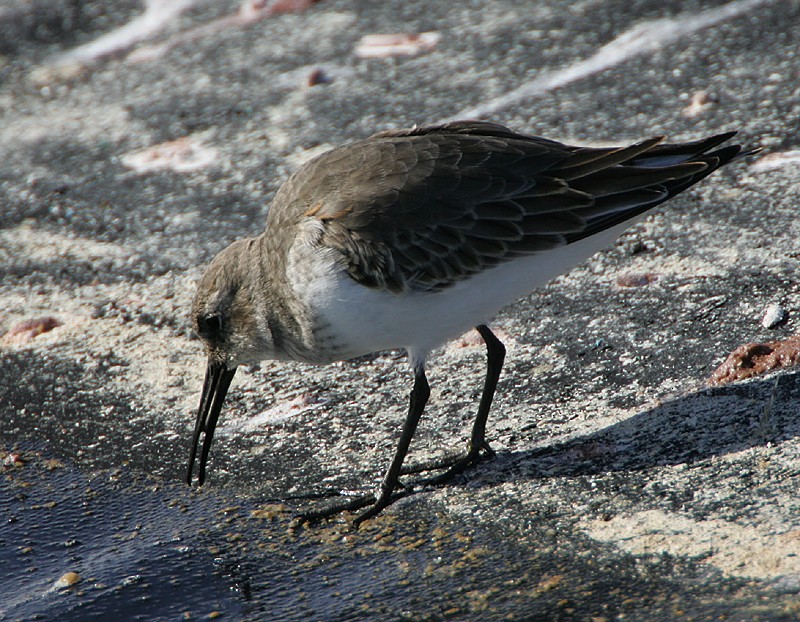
(217, 380)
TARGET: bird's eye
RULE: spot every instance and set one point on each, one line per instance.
(209, 326)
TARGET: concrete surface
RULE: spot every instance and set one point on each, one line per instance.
(624, 487)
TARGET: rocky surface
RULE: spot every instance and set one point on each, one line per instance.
(139, 139)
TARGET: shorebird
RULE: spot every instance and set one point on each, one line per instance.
(410, 238)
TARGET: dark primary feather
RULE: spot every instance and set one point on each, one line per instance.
(419, 209)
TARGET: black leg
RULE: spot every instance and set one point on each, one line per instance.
(477, 446)
(495, 355)
(386, 496)
(419, 397)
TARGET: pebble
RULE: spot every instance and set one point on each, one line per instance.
(26, 331)
(68, 579)
(774, 314)
(318, 76)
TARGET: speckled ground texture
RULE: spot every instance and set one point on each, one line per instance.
(624, 487)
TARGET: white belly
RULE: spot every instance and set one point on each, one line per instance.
(353, 320)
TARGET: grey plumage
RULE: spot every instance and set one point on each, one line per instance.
(423, 208)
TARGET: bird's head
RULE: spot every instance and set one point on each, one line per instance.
(224, 315)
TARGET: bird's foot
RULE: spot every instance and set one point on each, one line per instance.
(459, 463)
(317, 515)
(374, 504)
(434, 464)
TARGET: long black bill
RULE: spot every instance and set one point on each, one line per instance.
(215, 386)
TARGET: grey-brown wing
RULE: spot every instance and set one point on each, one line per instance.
(421, 209)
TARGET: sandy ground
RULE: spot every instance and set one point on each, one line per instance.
(137, 141)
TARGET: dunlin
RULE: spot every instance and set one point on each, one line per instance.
(411, 237)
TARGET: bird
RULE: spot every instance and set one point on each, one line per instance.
(411, 237)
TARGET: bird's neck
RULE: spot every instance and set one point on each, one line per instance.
(286, 317)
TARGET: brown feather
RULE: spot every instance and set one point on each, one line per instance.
(425, 207)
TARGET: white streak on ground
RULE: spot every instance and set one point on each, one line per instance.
(399, 44)
(281, 412)
(249, 12)
(157, 14)
(774, 161)
(642, 38)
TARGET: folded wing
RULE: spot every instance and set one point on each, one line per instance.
(421, 209)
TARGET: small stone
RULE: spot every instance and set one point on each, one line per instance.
(48, 75)
(52, 464)
(550, 583)
(270, 511)
(318, 76)
(13, 460)
(68, 579)
(26, 331)
(774, 315)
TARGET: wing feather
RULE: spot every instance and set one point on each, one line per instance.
(420, 209)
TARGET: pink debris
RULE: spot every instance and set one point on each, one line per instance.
(260, 7)
(700, 102)
(293, 407)
(472, 339)
(399, 44)
(27, 331)
(181, 155)
(636, 279)
(754, 359)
